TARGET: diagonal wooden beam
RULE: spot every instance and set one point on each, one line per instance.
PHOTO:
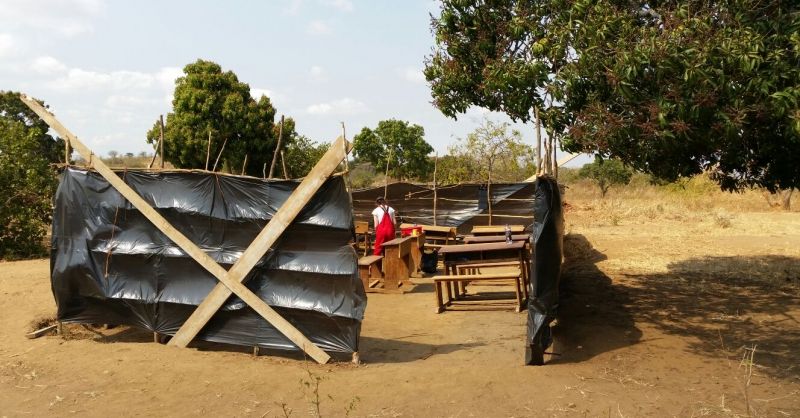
(233, 283)
(271, 232)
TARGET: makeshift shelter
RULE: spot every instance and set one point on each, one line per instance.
(461, 205)
(230, 280)
(111, 265)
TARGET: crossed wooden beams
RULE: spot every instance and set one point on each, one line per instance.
(230, 281)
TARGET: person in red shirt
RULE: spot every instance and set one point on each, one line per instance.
(384, 221)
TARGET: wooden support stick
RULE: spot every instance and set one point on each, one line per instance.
(220, 154)
(538, 140)
(230, 280)
(158, 145)
(208, 150)
(161, 139)
(435, 164)
(277, 148)
(283, 164)
(244, 165)
(386, 176)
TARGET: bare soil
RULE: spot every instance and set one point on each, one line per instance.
(655, 319)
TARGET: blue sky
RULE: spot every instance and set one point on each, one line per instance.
(107, 69)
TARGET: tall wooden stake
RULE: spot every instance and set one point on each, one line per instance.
(219, 155)
(277, 149)
(435, 165)
(244, 165)
(283, 164)
(208, 150)
(386, 176)
(538, 140)
(489, 193)
(161, 139)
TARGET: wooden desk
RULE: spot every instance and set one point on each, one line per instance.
(496, 229)
(437, 235)
(397, 265)
(362, 235)
(455, 255)
(471, 239)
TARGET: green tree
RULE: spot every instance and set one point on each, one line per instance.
(403, 144)
(208, 101)
(26, 177)
(457, 168)
(671, 88)
(301, 154)
(606, 173)
(496, 154)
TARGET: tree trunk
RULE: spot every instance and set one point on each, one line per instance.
(786, 199)
(538, 141)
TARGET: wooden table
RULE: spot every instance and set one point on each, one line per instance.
(455, 255)
(496, 229)
(471, 239)
(398, 265)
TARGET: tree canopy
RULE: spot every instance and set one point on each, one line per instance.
(26, 152)
(670, 88)
(399, 142)
(208, 101)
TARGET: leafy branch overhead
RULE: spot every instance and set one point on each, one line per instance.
(670, 88)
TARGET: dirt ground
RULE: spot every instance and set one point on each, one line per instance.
(655, 319)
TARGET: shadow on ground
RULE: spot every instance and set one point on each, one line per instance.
(594, 313)
(727, 304)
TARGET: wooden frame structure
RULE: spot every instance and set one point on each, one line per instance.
(230, 281)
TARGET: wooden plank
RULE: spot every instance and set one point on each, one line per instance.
(39, 332)
(222, 291)
(488, 229)
(471, 239)
(488, 246)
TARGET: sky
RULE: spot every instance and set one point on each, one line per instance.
(107, 69)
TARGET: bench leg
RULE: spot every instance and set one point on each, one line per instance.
(518, 285)
(449, 291)
(437, 286)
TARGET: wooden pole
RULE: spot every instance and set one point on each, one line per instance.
(161, 139)
(219, 155)
(538, 140)
(555, 158)
(244, 165)
(277, 148)
(264, 171)
(435, 165)
(489, 192)
(158, 144)
(208, 150)
(386, 176)
(231, 281)
(283, 164)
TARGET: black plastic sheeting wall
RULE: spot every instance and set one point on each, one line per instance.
(461, 206)
(548, 241)
(110, 265)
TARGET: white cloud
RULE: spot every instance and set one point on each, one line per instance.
(293, 7)
(79, 79)
(318, 27)
(48, 65)
(345, 106)
(127, 101)
(167, 76)
(343, 5)
(411, 74)
(62, 17)
(318, 74)
(257, 93)
(7, 45)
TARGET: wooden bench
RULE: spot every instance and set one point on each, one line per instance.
(369, 269)
(439, 281)
(475, 268)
